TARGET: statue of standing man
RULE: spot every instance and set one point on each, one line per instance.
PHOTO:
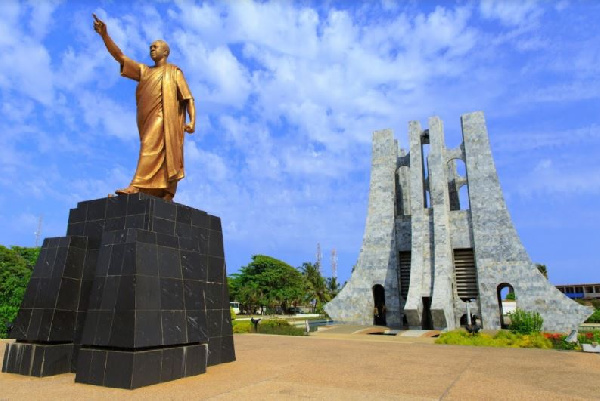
(162, 99)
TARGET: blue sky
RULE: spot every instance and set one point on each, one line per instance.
(288, 95)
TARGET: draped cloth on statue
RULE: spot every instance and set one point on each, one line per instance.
(161, 97)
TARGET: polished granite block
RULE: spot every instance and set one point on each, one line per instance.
(37, 359)
(135, 276)
(134, 369)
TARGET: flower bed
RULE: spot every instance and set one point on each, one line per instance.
(505, 338)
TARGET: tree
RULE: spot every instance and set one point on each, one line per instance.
(333, 287)
(543, 269)
(316, 286)
(267, 281)
(16, 265)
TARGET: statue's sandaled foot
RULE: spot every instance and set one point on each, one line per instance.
(127, 191)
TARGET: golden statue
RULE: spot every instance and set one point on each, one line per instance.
(162, 98)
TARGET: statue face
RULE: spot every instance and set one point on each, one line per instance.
(159, 50)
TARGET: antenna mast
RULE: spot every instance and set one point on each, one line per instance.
(319, 256)
(333, 263)
(38, 232)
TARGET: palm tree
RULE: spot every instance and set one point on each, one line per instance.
(333, 287)
(316, 288)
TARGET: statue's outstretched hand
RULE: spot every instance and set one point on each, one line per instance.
(189, 128)
(99, 26)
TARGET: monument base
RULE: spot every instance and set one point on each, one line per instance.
(39, 360)
(139, 368)
(134, 295)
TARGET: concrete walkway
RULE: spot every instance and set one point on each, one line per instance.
(338, 366)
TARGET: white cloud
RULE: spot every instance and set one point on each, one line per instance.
(549, 140)
(511, 13)
(116, 118)
(25, 223)
(41, 17)
(206, 164)
(547, 178)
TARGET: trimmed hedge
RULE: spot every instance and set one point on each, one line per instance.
(269, 326)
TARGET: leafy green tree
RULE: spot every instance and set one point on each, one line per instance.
(267, 281)
(316, 286)
(333, 287)
(231, 289)
(16, 265)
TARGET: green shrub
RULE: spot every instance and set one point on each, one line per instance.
(242, 326)
(511, 296)
(270, 326)
(524, 322)
(594, 318)
(460, 337)
(534, 340)
(589, 337)
(595, 303)
(274, 323)
(506, 338)
(7, 315)
(503, 338)
(281, 330)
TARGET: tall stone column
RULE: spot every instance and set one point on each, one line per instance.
(442, 309)
(420, 263)
(377, 261)
(499, 254)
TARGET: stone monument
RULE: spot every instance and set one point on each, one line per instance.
(424, 256)
(136, 292)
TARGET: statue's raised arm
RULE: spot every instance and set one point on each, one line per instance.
(111, 46)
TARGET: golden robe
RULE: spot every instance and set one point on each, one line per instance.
(161, 97)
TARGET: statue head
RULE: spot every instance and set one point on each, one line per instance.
(159, 49)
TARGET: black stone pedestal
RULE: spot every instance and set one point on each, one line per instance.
(135, 294)
(37, 359)
(133, 369)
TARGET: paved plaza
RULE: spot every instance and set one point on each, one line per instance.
(348, 364)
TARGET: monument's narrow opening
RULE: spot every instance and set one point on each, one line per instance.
(506, 303)
(463, 196)
(425, 154)
(463, 190)
(427, 320)
(399, 209)
(465, 274)
(379, 309)
(404, 259)
(458, 190)
(403, 191)
(452, 185)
